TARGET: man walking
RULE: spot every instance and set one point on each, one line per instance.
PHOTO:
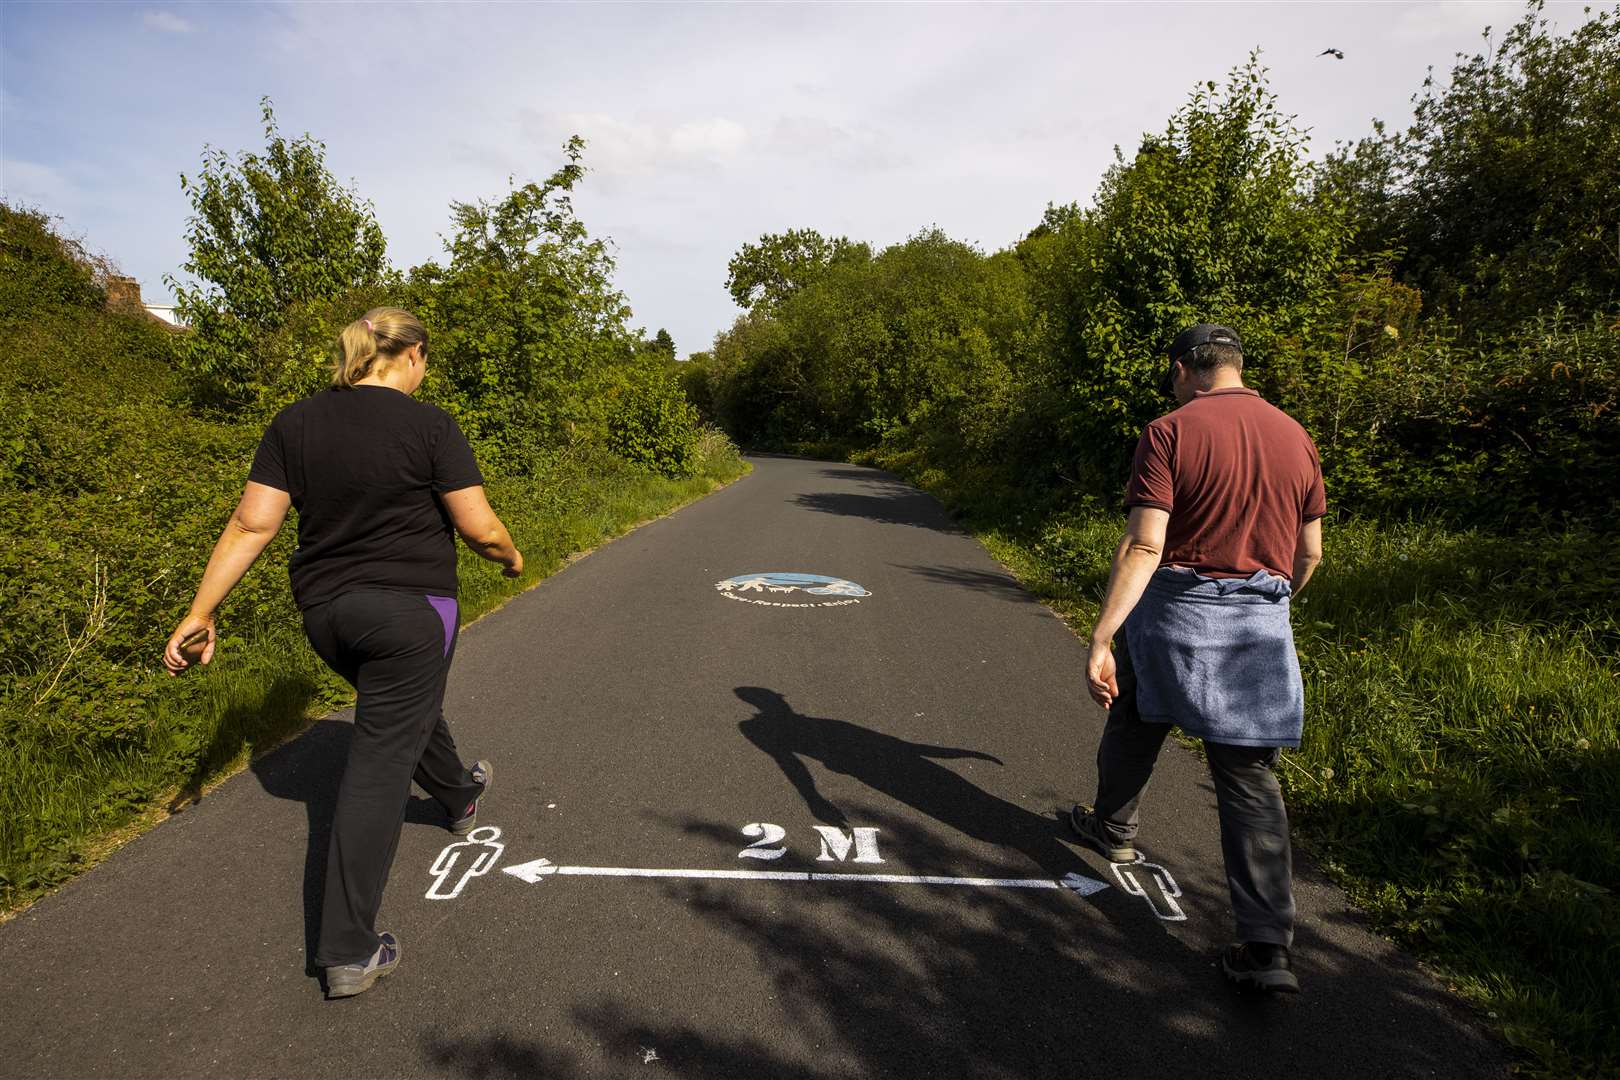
(1225, 502)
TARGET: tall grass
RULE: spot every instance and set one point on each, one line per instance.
(1460, 772)
(67, 800)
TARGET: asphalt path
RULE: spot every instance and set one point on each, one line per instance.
(640, 718)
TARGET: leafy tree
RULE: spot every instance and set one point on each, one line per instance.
(268, 231)
(1503, 196)
(663, 343)
(696, 377)
(866, 348)
(528, 329)
(1053, 222)
(767, 273)
(1211, 221)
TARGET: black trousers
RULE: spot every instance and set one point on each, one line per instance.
(1254, 821)
(395, 649)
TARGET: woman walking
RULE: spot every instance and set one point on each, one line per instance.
(379, 481)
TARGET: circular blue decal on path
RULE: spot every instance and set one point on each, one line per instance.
(791, 590)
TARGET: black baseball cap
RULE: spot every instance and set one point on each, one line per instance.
(1192, 337)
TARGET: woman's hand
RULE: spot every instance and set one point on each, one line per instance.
(481, 530)
(177, 659)
(253, 524)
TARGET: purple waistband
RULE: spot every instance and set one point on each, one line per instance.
(446, 607)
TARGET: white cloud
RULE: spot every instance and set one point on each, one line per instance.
(1456, 22)
(627, 148)
(29, 183)
(167, 22)
(837, 144)
(718, 139)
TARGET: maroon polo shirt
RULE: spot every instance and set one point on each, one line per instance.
(1238, 477)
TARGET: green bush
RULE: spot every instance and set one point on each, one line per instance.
(1211, 221)
(652, 424)
(1498, 201)
(1516, 432)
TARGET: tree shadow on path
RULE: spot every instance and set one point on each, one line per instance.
(891, 502)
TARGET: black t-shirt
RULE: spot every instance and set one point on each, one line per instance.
(365, 466)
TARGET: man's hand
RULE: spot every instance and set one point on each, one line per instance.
(515, 567)
(1100, 674)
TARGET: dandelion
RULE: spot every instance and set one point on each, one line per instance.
(1583, 744)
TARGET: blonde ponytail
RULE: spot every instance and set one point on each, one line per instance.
(371, 342)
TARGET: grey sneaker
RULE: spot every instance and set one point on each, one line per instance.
(482, 773)
(1092, 833)
(348, 980)
(1259, 966)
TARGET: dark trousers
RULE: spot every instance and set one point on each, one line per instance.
(1254, 822)
(395, 649)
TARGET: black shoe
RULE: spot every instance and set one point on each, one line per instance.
(1092, 833)
(1259, 966)
(483, 774)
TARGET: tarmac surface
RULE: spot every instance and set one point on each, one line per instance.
(642, 719)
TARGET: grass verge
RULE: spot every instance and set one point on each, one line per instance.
(68, 802)
(1460, 775)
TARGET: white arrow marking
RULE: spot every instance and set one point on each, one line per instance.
(532, 872)
(1083, 885)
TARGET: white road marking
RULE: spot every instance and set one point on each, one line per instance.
(1167, 888)
(835, 844)
(464, 860)
(538, 869)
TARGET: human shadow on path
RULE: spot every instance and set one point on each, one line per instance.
(263, 720)
(308, 770)
(904, 771)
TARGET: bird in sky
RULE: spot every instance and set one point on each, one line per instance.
(1337, 54)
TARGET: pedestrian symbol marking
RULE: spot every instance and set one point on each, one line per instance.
(1130, 877)
(776, 589)
(464, 860)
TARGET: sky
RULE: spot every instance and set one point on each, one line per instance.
(707, 125)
